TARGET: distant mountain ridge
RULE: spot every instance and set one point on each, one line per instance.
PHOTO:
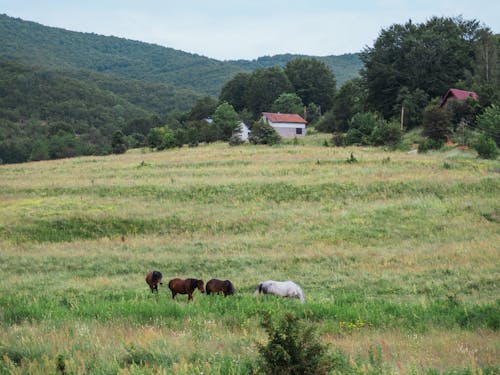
(38, 45)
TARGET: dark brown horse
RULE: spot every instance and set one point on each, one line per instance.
(217, 286)
(185, 286)
(153, 278)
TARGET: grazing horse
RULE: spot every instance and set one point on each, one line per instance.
(187, 286)
(280, 288)
(153, 278)
(217, 286)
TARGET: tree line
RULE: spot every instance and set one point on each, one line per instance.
(304, 86)
(405, 74)
(50, 114)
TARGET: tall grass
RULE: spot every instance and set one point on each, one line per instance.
(393, 246)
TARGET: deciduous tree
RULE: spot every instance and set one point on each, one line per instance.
(264, 87)
(288, 103)
(312, 80)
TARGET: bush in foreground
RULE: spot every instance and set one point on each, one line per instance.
(293, 348)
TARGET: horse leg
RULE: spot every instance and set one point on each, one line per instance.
(173, 294)
(190, 296)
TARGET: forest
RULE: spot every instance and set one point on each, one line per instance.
(66, 94)
(98, 85)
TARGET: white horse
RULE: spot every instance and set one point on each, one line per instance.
(280, 288)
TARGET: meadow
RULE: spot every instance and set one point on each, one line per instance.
(398, 255)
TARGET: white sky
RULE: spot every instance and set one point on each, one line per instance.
(239, 29)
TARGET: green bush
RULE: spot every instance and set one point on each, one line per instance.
(263, 134)
(489, 122)
(386, 133)
(437, 123)
(339, 139)
(430, 144)
(162, 138)
(486, 147)
(293, 348)
(355, 137)
(119, 142)
(236, 140)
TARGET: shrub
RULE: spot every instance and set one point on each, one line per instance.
(386, 133)
(263, 134)
(361, 127)
(339, 139)
(437, 123)
(161, 138)
(365, 122)
(327, 123)
(293, 348)
(430, 144)
(119, 142)
(489, 122)
(355, 137)
(236, 140)
(486, 147)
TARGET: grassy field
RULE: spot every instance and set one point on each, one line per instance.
(398, 255)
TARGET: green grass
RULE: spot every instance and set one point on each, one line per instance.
(393, 247)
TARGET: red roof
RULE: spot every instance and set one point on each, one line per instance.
(284, 117)
(459, 95)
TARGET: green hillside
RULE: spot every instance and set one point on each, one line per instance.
(65, 93)
(54, 47)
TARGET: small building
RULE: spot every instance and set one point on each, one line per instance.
(458, 95)
(288, 125)
(244, 131)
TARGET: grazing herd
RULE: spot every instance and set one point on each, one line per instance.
(226, 287)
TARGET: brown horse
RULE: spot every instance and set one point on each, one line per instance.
(187, 286)
(153, 278)
(217, 286)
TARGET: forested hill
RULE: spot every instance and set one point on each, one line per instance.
(40, 45)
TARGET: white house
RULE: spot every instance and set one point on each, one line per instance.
(288, 125)
(244, 131)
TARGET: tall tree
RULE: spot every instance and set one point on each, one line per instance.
(203, 108)
(288, 103)
(486, 54)
(350, 99)
(234, 91)
(226, 119)
(313, 81)
(264, 87)
(432, 57)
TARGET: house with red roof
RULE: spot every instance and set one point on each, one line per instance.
(458, 95)
(288, 125)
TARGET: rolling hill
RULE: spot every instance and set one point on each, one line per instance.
(64, 93)
(39, 45)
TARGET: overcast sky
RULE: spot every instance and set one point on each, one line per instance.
(239, 29)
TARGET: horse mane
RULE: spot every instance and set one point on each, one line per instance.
(193, 283)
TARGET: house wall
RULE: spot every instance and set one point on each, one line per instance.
(245, 132)
(288, 130)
